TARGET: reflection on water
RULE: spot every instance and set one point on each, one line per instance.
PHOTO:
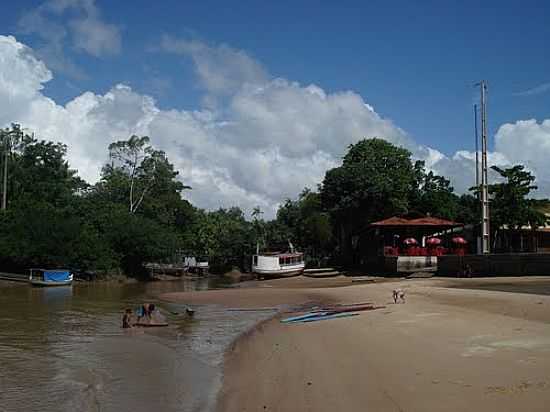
(62, 349)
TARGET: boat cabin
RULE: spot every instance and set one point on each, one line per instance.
(50, 277)
(278, 264)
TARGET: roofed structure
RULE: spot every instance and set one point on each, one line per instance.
(426, 221)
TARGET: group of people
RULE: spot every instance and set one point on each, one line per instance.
(144, 314)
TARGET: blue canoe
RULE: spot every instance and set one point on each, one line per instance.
(327, 317)
(304, 316)
(313, 317)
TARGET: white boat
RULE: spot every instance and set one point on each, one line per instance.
(276, 264)
(45, 277)
(196, 264)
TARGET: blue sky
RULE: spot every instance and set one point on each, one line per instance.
(416, 63)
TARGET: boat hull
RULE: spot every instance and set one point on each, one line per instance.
(42, 283)
(279, 273)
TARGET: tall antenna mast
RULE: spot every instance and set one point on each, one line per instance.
(485, 241)
(477, 151)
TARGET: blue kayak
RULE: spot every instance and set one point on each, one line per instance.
(333, 316)
(315, 316)
(304, 316)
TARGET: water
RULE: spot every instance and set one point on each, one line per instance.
(62, 349)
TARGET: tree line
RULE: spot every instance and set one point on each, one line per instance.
(137, 213)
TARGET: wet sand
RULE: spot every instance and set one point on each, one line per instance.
(446, 348)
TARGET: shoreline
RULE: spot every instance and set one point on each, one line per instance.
(445, 349)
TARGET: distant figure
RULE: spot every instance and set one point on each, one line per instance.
(151, 311)
(398, 296)
(144, 312)
(127, 319)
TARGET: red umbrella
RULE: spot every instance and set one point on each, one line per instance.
(459, 240)
(410, 241)
(433, 241)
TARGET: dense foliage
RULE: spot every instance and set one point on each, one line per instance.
(136, 212)
(510, 206)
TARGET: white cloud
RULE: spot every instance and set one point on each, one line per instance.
(222, 70)
(84, 29)
(527, 142)
(271, 137)
(95, 37)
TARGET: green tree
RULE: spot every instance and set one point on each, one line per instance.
(306, 224)
(225, 236)
(374, 182)
(39, 171)
(138, 170)
(44, 225)
(469, 210)
(143, 182)
(433, 195)
(510, 205)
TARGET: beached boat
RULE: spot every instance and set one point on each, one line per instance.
(45, 277)
(278, 264)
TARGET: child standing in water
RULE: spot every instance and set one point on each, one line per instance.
(127, 319)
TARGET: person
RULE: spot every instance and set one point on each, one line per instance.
(141, 313)
(127, 319)
(151, 311)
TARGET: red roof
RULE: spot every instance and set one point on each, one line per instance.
(392, 221)
(421, 221)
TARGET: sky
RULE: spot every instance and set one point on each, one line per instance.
(254, 101)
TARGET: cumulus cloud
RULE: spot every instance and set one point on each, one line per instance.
(83, 28)
(270, 139)
(527, 142)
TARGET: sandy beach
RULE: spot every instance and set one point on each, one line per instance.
(445, 349)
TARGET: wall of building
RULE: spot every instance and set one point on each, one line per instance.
(506, 264)
(407, 264)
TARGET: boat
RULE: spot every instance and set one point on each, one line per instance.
(198, 265)
(277, 264)
(47, 277)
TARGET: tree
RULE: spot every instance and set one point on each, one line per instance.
(44, 225)
(135, 163)
(469, 209)
(510, 205)
(305, 223)
(225, 236)
(433, 195)
(374, 182)
(39, 170)
(259, 227)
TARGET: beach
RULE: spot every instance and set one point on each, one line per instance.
(447, 348)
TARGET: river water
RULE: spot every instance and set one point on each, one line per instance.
(62, 349)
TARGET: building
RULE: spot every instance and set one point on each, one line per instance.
(408, 244)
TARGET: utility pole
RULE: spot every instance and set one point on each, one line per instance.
(6, 136)
(5, 174)
(485, 241)
(477, 152)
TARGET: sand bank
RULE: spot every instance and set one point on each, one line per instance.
(446, 349)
